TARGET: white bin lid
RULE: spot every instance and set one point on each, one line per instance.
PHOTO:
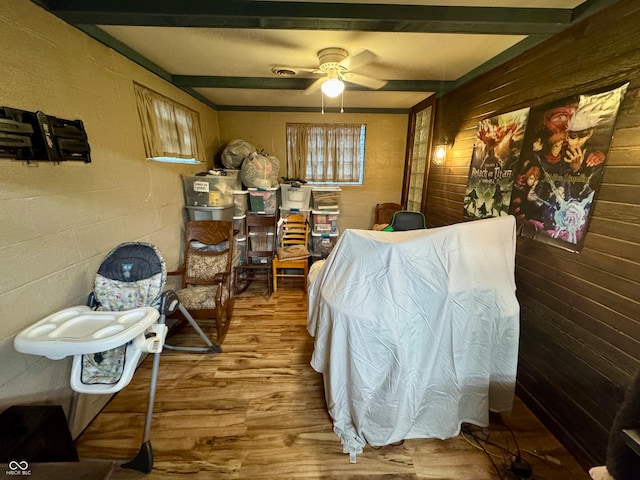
(325, 212)
(295, 209)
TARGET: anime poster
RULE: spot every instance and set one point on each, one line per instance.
(495, 155)
(562, 161)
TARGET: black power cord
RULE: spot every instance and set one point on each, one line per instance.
(519, 469)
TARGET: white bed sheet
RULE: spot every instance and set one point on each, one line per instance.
(416, 332)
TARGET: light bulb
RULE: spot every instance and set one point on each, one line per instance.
(440, 154)
(332, 87)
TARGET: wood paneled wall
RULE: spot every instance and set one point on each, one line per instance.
(580, 313)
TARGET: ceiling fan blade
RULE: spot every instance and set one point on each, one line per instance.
(369, 82)
(358, 60)
(315, 86)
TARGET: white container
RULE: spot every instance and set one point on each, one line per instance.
(210, 190)
(261, 241)
(325, 222)
(240, 244)
(323, 243)
(240, 224)
(303, 212)
(240, 202)
(211, 213)
(260, 260)
(264, 200)
(326, 198)
(295, 195)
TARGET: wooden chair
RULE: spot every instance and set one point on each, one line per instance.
(261, 234)
(384, 212)
(207, 283)
(293, 250)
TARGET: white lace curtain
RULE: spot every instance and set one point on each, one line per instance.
(169, 129)
(325, 152)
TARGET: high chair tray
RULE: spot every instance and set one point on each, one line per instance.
(79, 330)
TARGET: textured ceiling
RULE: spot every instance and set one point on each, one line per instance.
(223, 52)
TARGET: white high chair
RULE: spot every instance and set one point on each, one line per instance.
(125, 318)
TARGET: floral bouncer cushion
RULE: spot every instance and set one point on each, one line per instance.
(132, 275)
(104, 367)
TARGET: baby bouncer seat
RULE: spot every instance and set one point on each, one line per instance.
(124, 318)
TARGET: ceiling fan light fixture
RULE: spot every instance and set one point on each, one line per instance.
(332, 87)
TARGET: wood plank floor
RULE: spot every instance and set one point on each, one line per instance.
(257, 411)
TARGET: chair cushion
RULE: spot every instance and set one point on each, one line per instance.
(292, 252)
(201, 297)
(117, 295)
(205, 267)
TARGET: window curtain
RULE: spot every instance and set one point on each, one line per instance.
(325, 152)
(169, 129)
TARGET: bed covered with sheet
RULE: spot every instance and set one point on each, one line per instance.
(416, 332)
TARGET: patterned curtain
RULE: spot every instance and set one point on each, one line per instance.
(169, 129)
(325, 152)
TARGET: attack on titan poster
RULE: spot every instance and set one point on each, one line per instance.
(495, 156)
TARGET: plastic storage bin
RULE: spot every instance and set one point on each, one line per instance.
(264, 200)
(240, 224)
(325, 222)
(303, 212)
(295, 195)
(240, 244)
(323, 243)
(211, 213)
(240, 202)
(261, 260)
(261, 241)
(210, 190)
(256, 229)
(326, 198)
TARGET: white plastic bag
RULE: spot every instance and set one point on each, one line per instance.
(260, 171)
(235, 152)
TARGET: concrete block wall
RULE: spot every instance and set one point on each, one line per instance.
(57, 222)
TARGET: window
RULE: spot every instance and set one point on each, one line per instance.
(419, 154)
(170, 131)
(326, 153)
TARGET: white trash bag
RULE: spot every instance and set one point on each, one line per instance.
(235, 152)
(260, 171)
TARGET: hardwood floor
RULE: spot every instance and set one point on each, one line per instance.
(257, 411)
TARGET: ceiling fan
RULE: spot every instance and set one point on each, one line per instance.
(336, 66)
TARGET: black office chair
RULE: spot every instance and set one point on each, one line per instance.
(406, 220)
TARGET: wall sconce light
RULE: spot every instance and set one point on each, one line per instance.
(440, 151)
